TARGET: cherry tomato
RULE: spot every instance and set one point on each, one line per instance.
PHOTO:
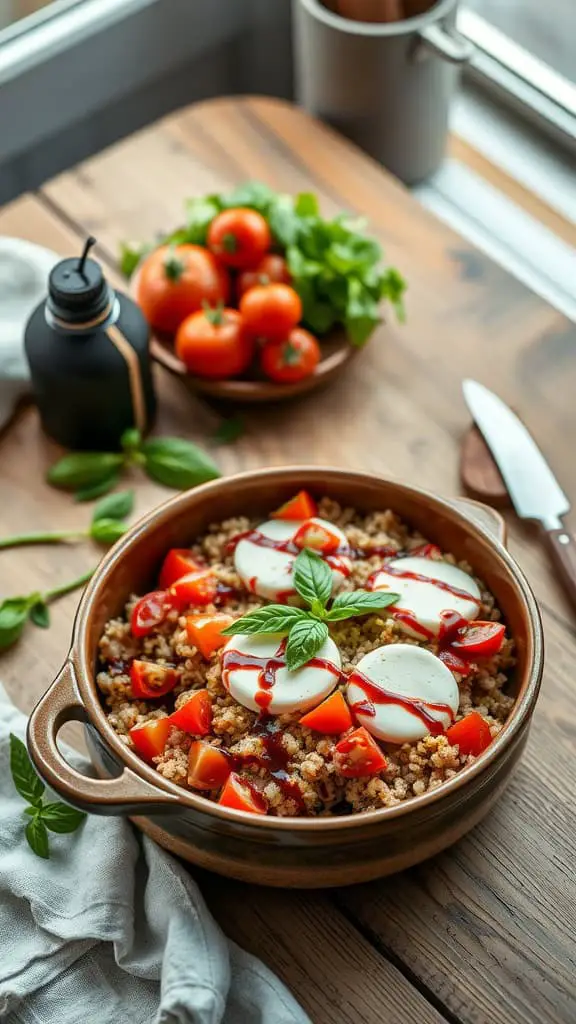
(358, 754)
(215, 344)
(178, 563)
(208, 766)
(314, 535)
(174, 281)
(301, 506)
(471, 734)
(454, 662)
(150, 738)
(197, 588)
(272, 268)
(150, 612)
(242, 795)
(331, 716)
(239, 237)
(292, 359)
(271, 310)
(479, 640)
(195, 716)
(205, 632)
(149, 680)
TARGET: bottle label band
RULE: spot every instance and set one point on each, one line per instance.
(134, 375)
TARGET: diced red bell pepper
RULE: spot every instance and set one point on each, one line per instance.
(358, 754)
(196, 588)
(178, 563)
(150, 738)
(208, 766)
(318, 537)
(301, 506)
(471, 734)
(149, 680)
(150, 611)
(479, 640)
(242, 796)
(205, 632)
(332, 716)
(195, 716)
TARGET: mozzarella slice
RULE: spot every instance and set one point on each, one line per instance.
(428, 588)
(414, 695)
(254, 672)
(266, 569)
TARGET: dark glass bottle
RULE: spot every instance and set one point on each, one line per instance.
(88, 350)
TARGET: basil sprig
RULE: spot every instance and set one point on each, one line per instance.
(307, 629)
(57, 816)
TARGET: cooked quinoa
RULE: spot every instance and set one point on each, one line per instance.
(412, 768)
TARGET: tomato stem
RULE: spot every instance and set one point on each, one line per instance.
(173, 266)
(66, 588)
(21, 539)
(229, 242)
(214, 314)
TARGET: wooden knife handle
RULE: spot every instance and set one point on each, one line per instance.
(562, 546)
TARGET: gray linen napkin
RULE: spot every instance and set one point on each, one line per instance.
(111, 929)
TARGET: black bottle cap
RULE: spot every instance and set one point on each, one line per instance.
(77, 288)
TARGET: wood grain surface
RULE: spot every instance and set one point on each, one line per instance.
(485, 931)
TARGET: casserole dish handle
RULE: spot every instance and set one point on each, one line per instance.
(126, 793)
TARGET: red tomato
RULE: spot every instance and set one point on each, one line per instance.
(195, 716)
(215, 344)
(454, 662)
(239, 237)
(301, 506)
(331, 716)
(150, 612)
(197, 588)
(358, 754)
(149, 680)
(314, 535)
(471, 734)
(271, 310)
(205, 632)
(175, 281)
(479, 640)
(292, 359)
(150, 738)
(208, 766)
(272, 268)
(178, 563)
(242, 795)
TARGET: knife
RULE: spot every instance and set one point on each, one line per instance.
(531, 484)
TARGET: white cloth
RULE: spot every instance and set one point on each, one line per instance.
(112, 929)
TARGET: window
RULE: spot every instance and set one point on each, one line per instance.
(17, 16)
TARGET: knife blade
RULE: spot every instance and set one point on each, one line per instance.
(532, 486)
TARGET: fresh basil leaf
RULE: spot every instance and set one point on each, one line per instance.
(117, 506)
(59, 817)
(81, 469)
(283, 221)
(273, 618)
(359, 602)
(304, 641)
(130, 256)
(40, 615)
(254, 194)
(107, 531)
(131, 439)
(392, 288)
(230, 430)
(319, 316)
(177, 463)
(97, 490)
(13, 616)
(37, 837)
(306, 205)
(27, 783)
(300, 265)
(312, 577)
(199, 215)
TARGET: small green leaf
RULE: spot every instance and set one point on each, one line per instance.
(230, 430)
(27, 783)
(273, 618)
(130, 256)
(107, 531)
(116, 506)
(59, 817)
(306, 205)
(40, 615)
(360, 602)
(254, 194)
(131, 440)
(304, 641)
(37, 837)
(177, 463)
(81, 469)
(312, 577)
(97, 490)
(199, 215)
(13, 616)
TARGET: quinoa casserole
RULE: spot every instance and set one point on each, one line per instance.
(324, 662)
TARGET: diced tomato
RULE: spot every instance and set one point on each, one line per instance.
(149, 680)
(205, 632)
(427, 551)
(313, 535)
(208, 766)
(150, 739)
(150, 612)
(178, 563)
(479, 640)
(196, 588)
(301, 506)
(195, 716)
(240, 794)
(331, 716)
(454, 662)
(358, 754)
(471, 734)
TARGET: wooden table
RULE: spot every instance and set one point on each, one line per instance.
(485, 931)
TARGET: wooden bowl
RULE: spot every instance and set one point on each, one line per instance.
(298, 852)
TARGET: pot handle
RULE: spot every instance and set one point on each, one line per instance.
(483, 516)
(124, 794)
(445, 42)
